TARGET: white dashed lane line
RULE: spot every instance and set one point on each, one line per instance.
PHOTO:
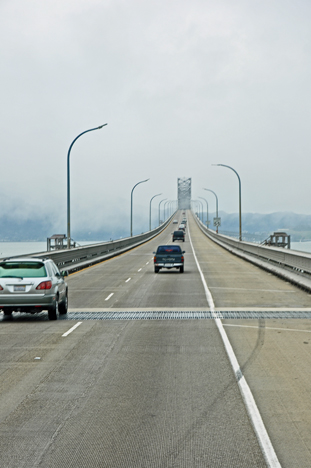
(108, 297)
(72, 329)
(128, 279)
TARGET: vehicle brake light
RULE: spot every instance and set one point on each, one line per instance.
(1, 288)
(45, 285)
(182, 258)
(154, 259)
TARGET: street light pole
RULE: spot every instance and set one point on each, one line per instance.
(141, 182)
(159, 208)
(193, 204)
(208, 190)
(68, 181)
(240, 203)
(201, 207)
(168, 201)
(150, 209)
(206, 210)
(170, 207)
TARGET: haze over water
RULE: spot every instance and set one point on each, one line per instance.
(21, 248)
(8, 249)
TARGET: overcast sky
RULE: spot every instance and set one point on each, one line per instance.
(182, 85)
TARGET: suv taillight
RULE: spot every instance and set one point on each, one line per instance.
(44, 285)
(182, 258)
(1, 288)
(154, 259)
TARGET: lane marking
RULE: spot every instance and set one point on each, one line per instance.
(248, 289)
(140, 269)
(72, 329)
(108, 297)
(128, 279)
(147, 263)
(250, 404)
(267, 328)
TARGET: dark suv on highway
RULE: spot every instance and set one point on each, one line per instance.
(178, 235)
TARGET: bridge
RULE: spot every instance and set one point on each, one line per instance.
(205, 369)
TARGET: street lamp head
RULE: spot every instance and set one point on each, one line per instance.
(101, 126)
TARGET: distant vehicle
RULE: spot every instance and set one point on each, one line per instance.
(175, 221)
(169, 256)
(178, 235)
(182, 227)
(184, 221)
(29, 284)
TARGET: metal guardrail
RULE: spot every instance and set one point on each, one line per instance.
(81, 257)
(292, 265)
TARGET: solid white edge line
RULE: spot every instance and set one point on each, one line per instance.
(253, 412)
(267, 328)
(108, 297)
(72, 329)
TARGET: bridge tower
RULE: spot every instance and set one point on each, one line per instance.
(184, 193)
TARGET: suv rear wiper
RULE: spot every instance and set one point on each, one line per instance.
(10, 276)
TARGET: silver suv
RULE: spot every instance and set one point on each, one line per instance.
(29, 284)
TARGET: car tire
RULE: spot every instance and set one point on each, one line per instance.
(52, 311)
(181, 269)
(156, 270)
(63, 306)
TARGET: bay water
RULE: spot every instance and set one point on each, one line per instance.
(8, 249)
(11, 249)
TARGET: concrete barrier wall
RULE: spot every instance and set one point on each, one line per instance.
(81, 257)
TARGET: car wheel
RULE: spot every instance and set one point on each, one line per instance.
(52, 311)
(181, 269)
(156, 270)
(7, 312)
(63, 306)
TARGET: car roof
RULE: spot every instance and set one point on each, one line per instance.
(23, 259)
(174, 246)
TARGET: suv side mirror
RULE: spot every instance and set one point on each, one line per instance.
(64, 273)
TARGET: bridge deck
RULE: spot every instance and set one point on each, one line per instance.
(144, 393)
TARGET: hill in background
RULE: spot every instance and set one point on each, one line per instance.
(255, 227)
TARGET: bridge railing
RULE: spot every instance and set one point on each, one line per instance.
(290, 264)
(81, 257)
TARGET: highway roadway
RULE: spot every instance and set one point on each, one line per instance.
(85, 392)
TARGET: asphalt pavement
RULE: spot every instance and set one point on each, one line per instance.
(156, 393)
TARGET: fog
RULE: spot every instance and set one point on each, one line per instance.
(182, 85)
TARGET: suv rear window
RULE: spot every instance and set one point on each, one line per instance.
(169, 249)
(22, 270)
